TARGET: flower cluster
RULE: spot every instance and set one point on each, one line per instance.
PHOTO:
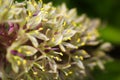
(41, 42)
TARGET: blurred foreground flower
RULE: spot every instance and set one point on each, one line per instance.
(42, 42)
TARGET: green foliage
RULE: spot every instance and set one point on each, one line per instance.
(112, 72)
(110, 34)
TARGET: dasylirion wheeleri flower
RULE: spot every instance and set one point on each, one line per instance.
(41, 42)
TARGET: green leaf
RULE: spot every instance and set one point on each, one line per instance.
(27, 50)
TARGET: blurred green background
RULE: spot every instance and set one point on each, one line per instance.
(109, 13)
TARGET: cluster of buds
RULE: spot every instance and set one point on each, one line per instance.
(41, 42)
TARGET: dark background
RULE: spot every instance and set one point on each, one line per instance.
(109, 13)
